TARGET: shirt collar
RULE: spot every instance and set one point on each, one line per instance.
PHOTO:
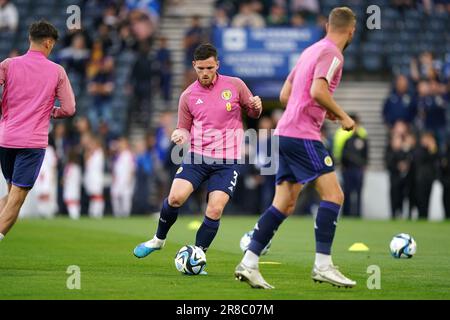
(35, 53)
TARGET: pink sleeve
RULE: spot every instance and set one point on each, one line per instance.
(3, 70)
(292, 75)
(184, 115)
(244, 98)
(64, 94)
(327, 66)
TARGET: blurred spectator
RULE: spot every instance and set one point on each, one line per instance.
(426, 162)
(151, 8)
(96, 59)
(277, 17)
(163, 56)
(432, 110)
(126, 40)
(93, 179)
(445, 178)
(399, 162)
(9, 17)
(61, 145)
(220, 19)
(72, 184)
(399, 105)
(144, 172)
(45, 187)
(83, 128)
(247, 17)
(142, 26)
(308, 7)
(340, 138)
(355, 157)
(142, 75)
(101, 89)
(123, 179)
(104, 36)
(424, 67)
(76, 57)
(297, 20)
(105, 135)
(193, 37)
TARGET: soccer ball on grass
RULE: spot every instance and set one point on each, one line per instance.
(190, 260)
(403, 246)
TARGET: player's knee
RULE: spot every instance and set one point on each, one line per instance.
(335, 197)
(214, 212)
(175, 200)
(287, 207)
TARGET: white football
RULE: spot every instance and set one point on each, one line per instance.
(190, 260)
(403, 246)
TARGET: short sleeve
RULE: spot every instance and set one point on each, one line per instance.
(328, 65)
(184, 115)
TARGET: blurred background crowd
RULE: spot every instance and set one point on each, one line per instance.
(127, 74)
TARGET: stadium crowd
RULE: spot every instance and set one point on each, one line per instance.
(117, 64)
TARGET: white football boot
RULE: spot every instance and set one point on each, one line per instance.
(252, 276)
(331, 274)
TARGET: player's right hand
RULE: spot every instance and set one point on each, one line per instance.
(348, 124)
(179, 136)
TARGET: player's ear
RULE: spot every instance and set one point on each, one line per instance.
(193, 63)
(218, 64)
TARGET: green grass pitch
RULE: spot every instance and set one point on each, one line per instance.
(36, 254)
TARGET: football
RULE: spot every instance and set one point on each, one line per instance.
(403, 246)
(190, 260)
(247, 238)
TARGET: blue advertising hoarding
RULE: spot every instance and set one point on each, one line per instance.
(262, 54)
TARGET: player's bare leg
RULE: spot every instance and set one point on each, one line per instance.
(4, 199)
(179, 192)
(283, 205)
(325, 225)
(10, 212)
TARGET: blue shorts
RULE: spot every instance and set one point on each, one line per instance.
(302, 160)
(21, 167)
(222, 177)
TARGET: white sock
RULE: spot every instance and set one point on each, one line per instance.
(1, 236)
(154, 243)
(250, 259)
(323, 260)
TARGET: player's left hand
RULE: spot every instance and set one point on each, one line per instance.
(255, 103)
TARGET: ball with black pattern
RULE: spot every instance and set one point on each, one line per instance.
(190, 260)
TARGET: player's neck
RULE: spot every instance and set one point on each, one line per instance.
(34, 47)
(338, 40)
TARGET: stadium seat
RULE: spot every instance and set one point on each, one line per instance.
(372, 62)
(350, 62)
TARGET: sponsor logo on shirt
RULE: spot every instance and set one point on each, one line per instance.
(199, 101)
(226, 95)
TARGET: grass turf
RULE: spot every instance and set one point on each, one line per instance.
(36, 254)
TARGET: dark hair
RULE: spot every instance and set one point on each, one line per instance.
(41, 30)
(205, 51)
